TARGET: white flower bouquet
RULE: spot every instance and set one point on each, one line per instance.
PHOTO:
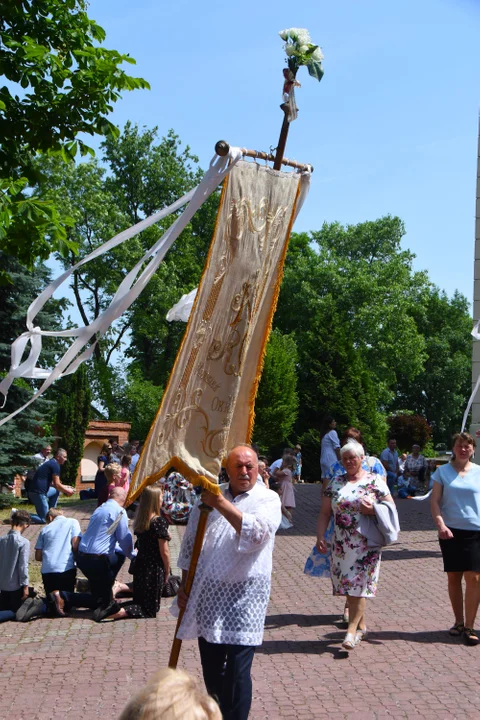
(301, 50)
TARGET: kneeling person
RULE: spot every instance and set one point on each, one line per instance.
(55, 548)
(14, 552)
(96, 552)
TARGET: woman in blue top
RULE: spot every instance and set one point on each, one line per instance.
(455, 503)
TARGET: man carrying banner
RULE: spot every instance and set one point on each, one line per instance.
(228, 601)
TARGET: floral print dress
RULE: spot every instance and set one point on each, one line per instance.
(354, 566)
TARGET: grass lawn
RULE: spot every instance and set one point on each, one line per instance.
(24, 504)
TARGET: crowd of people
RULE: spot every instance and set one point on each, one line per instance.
(226, 607)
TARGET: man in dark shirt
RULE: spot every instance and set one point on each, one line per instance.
(44, 489)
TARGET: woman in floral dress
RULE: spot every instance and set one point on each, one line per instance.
(354, 566)
(178, 499)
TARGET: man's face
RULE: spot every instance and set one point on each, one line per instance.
(262, 469)
(61, 459)
(392, 444)
(46, 451)
(242, 470)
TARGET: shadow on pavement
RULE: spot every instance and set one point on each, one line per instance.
(304, 647)
(407, 554)
(330, 642)
(275, 621)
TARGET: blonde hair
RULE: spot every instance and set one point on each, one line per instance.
(111, 470)
(53, 513)
(150, 503)
(171, 695)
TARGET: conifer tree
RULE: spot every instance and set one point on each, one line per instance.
(73, 410)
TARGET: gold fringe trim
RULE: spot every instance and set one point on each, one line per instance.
(268, 327)
(180, 466)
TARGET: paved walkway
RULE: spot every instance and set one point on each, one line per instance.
(409, 668)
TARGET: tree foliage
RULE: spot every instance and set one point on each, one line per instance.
(441, 390)
(73, 411)
(61, 82)
(371, 333)
(276, 406)
(138, 400)
(409, 429)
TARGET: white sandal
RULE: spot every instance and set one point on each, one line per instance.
(361, 635)
(349, 642)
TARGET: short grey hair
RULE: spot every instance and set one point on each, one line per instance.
(354, 447)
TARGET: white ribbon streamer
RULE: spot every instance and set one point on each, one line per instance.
(129, 289)
(476, 335)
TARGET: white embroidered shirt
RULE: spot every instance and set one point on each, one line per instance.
(231, 590)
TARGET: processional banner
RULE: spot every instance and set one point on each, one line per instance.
(208, 405)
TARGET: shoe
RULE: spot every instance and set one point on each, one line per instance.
(361, 635)
(100, 613)
(57, 603)
(470, 636)
(31, 607)
(349, 642)
(457, 630)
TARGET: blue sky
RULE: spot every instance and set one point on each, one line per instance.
(392, 127)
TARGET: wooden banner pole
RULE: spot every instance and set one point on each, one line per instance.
(205, 510)
(282, 140)
(222, 148)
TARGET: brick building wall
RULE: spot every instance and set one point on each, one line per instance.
(98, 433)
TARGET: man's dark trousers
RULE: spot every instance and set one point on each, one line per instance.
(100, 573)
(226, 672)
(65, 583)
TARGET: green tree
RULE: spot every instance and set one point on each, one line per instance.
(333, 376)
(376, 292)
(138, 401)
(21, 437)
(407, 429)
(73, 410)
(62, 83)
(276, 405)
(441, 390)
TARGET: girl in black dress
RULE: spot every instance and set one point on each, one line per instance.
(101, 482)
(152, 564)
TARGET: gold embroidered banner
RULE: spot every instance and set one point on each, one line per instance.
(208, 405)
